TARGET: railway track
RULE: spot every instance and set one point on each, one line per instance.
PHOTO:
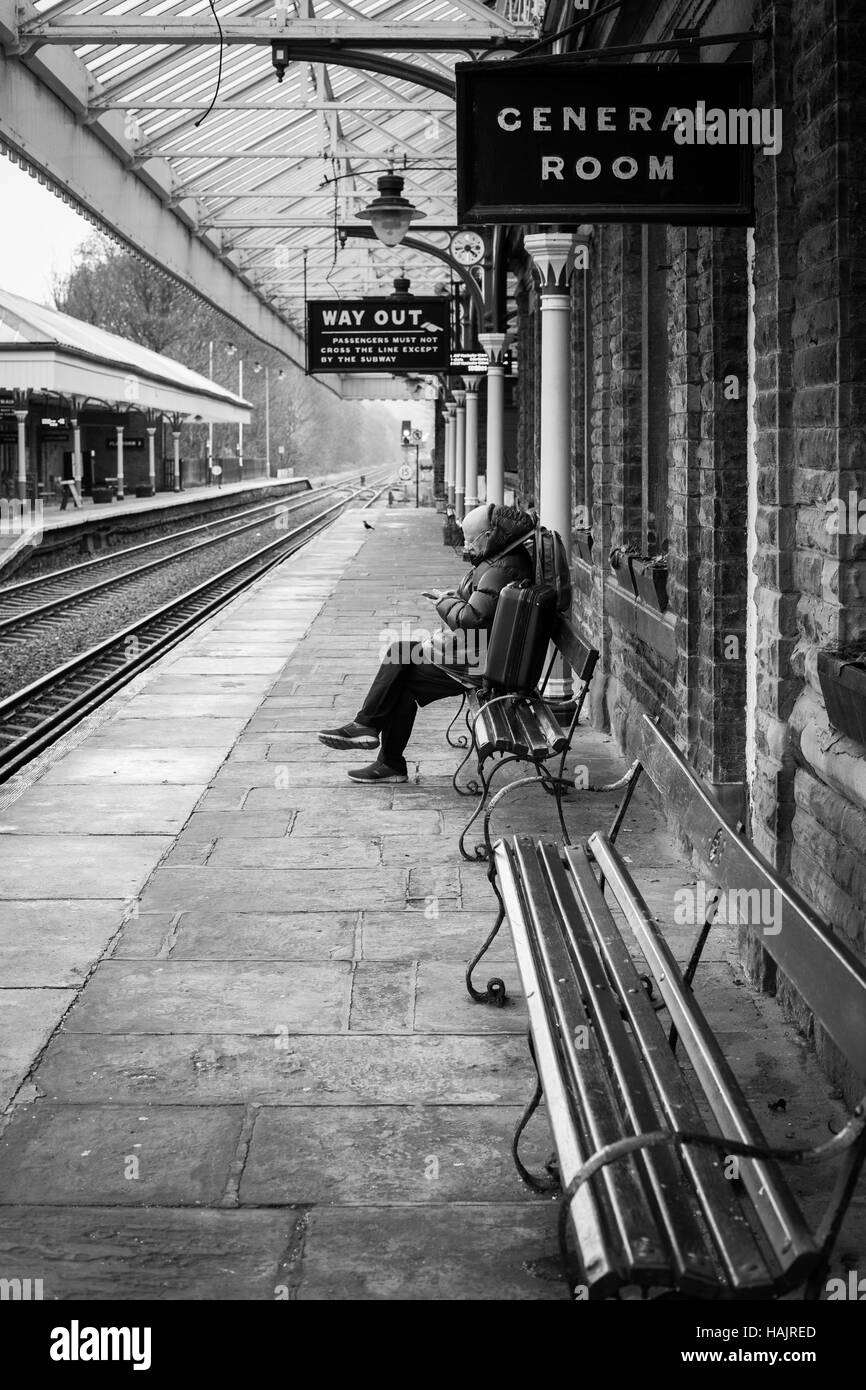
(34, 717)
(44, 598)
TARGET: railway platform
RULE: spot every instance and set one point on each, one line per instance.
(20, 529)
(89, 512)
(240, 1061)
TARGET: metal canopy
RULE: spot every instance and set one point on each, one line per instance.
(241, 199)
(48, 352)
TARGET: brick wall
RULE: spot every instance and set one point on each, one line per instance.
(808, 789)
(812, 449)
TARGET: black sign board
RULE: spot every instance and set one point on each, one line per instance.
(378, 335)
(54, 427)
(476, 363)
(130, 441)
(470, 362)
(557, 140)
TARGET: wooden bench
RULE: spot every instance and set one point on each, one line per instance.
(668, 1185)
(521, 729)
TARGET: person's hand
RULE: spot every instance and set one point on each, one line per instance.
(436, 594)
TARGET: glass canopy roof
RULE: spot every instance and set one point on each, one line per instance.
(273, 171)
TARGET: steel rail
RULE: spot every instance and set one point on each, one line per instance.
(68, 597)
(109, 661)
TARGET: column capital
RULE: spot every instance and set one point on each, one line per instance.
(553, 258)
(150, 429)
(494, 346)
(21, 415)
(451, 407)
(460, 398)
(472, 384)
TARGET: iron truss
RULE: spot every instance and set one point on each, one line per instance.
(236, 183)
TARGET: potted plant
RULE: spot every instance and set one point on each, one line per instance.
(620, 558)
(583, 542)
(842, 673)
(650, 575)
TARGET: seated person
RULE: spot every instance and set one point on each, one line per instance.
(416, 673)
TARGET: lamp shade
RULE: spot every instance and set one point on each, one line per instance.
(390, 215)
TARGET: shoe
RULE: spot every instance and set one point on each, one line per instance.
(351, 735)
(377, 772)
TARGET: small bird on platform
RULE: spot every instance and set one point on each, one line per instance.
(367, 526)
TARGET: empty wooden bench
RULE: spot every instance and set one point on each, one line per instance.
(522, 729)
(668, 1185)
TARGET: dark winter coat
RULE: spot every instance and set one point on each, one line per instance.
(475, 602)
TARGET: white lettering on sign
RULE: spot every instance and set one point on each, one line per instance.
(383, 318)
(342, 318)
(661, 169)
(589, 168)
(608, 119)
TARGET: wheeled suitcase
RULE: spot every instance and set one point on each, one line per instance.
(519, 636)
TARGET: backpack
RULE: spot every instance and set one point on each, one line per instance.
(551, 564)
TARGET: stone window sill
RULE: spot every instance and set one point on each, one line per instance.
(657, 630)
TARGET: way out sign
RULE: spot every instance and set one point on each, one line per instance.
(378, 335)
(554, 140)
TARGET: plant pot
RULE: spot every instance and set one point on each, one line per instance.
(843, 685)
(651, 583)
(583, 542)
(102, 494)
(144, 490)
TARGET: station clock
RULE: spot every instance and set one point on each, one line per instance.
(467, 247)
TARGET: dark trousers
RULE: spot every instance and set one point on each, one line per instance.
(402, 684)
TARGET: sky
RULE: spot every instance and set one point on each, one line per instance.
(39, 235)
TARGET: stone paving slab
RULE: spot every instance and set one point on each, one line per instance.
(99, 1253)
(79, 866)
(453, 934)
(119, 1155)
(115, 809)
(193, 996)
(286, 1069)
(28, 1017)
(158, 764)
(180, 731)
(296, 936)
(286, 852)
(466, 1251)
(53, 943)
(420, 1154)
(274, 890)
